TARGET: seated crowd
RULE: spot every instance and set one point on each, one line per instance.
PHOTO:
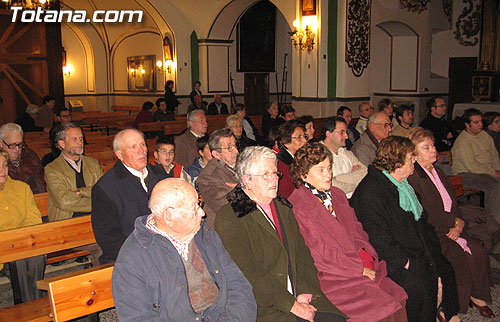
(361, 223)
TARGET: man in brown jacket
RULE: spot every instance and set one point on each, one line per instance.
(218, 178)
(186, 149)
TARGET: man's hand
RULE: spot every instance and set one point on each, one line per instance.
(304, 311)
(355, 167)
(370, 273)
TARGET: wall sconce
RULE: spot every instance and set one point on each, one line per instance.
(302, 38)
(67, 70)
(169, 63)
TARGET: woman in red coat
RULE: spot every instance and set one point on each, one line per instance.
(350, 274)
(144, 116)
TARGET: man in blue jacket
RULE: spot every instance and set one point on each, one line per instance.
(173, 267)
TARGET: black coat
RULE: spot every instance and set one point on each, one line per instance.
(170, 100)
(268, 123)
(118, 198)
(212, 109)
(397, 238)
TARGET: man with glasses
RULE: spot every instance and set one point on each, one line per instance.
(165, 155)
(347, 171)
(218, 178)
(378, 128)
(122, 193)
(444, 134)
(24, 164)
(173, 267)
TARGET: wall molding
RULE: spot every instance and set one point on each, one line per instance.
(327, 99)
(410, 95)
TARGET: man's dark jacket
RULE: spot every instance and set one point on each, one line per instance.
(118, 198)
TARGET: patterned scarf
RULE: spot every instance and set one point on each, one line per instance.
(325, 197)
(408, 200)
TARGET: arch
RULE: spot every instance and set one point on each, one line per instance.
(395, 56)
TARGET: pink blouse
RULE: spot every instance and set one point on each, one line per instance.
(445, 196)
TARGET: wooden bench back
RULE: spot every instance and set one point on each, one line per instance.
(456, 181)
(45, 238)
(79, 293)
(42, 200)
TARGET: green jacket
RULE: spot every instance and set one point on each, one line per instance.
(256, 248)
(61, 185)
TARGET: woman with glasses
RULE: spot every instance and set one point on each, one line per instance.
(291, 137)
(259, 230)
(389, 210)
(349, 271)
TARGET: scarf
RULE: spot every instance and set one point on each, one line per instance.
(325, 197)
(407, 198)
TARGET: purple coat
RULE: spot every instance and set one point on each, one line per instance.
(334, 245)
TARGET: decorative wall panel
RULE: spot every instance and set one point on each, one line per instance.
(468, 24)
(357, 49)
(414, 5)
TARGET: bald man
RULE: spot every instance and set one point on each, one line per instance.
(217, 106)
(122, 193)
(173, 252)
(378, 128)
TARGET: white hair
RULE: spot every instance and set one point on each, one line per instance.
(249, 157)
(231, 119)
(10, 127)
(117, 141)
(191, 115)
(32, 109)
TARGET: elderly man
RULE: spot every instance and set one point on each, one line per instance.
(70, 178)
(379, 127)
(404, 116)
(186, 149)
(217, 106)
(476, 160)
(365, 111)
(347, 171)
(197, 104)
(235, 124)
(122, 193)
(436, 122)
(24, 164)
(259, 230)
(26, 119)
(172, 252)
(218, 178)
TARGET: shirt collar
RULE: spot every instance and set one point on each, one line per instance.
(196, 135)
(139, 174)
(77, 165)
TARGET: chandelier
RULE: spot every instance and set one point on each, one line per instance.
(30, 4)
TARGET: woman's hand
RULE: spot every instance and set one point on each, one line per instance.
(370, 273)
(453, 234)
(460, 225)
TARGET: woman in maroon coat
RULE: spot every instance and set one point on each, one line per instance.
(350, 274)
(465, 253)
(144, 116)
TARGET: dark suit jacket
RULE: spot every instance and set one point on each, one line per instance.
(118, 198)
(212, 109)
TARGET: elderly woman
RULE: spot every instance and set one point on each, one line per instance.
(235, 124)
(259, 230)
(308, 122)
(16, 197)
(393, 217)
(339, 246)
(291, 137)
(270, 118)
(437, 195)
(249, 129)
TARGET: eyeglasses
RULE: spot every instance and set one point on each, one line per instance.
(384, 124)
(12, 146)
(230, 147)
(198, 207)
(440, 105)
(166, 152)
(69, 115)
(268, 175)
(300, 137)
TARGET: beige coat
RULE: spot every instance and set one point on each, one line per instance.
(61, 186)
(475, 154)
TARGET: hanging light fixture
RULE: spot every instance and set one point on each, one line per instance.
(30, 4)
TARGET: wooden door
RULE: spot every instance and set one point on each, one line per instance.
(29, 57)
(256, 93)
(460, 81)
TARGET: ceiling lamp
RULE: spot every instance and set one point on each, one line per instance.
(30, 4)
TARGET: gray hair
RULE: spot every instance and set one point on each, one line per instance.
(214, 140)
(249, 157)
(10, 127)
(374, 117)
(32, 109)
(191, 115)
(233, 118)
(117, 141)
(361, 105)
(61, 131)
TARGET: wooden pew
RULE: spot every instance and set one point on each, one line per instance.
(128, 109)
(16, 244)
(79, 293)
